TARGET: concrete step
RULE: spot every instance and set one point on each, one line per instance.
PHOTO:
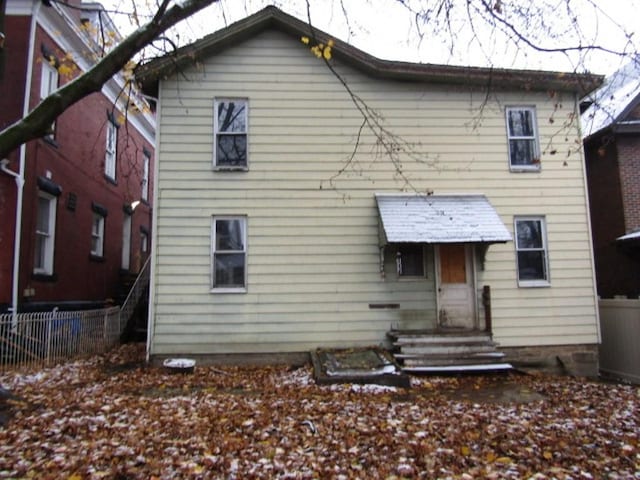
(435, 339)
(479, 367)
(477, 355)
(446, 349)
(440, 361)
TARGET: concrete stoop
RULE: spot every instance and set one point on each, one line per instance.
(443, 351)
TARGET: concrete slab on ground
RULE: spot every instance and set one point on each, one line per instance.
(358, 365)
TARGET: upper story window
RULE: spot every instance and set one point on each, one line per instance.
(45, 234)
(522, 132)
(49, 80)
(48, 85)
(410, 260)
(229, 254)
(111, 149)
(531, 249)
(230, 121)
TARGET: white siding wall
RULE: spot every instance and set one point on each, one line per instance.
(313, 258)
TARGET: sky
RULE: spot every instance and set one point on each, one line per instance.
(388, 29)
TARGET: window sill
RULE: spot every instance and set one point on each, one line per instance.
(44, 277)
(533, 284)
(112, 181)
(50, 141)
(230, 169)
(412, 278)
(96, 258)
(525, 169)
(229, 290)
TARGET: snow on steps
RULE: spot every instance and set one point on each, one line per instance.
(446, 351)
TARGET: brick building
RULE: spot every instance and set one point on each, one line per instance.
(611, 129)
(85, 209)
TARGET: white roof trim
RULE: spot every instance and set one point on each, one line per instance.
(629, 236)
(440, 219)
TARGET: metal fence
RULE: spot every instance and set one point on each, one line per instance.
(620, 328)
(44, 338)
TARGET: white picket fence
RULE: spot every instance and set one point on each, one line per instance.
(620, 348)
(44, 338)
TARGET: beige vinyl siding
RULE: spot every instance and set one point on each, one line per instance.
(313, 253)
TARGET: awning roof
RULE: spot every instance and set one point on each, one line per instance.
(440, 219)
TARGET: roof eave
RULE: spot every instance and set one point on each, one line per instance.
(149, 74)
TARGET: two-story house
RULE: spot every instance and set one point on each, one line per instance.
(76, 204)
(436, 201)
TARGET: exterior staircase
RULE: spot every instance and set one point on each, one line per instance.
(450, 350)
(134, 309)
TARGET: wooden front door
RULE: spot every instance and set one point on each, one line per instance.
(456, 299)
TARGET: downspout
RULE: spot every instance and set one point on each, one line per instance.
(20, 174)
(154, 231)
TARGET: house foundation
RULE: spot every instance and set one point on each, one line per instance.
(578, 360)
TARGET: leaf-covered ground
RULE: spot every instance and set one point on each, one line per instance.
(112, 417)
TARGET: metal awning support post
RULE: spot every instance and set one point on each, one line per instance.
(486, 303)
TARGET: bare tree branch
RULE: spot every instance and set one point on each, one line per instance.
(38, 121)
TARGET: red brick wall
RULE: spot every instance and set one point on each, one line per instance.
(12, 85)
(616, 269)
(629, 160)
(75, 162)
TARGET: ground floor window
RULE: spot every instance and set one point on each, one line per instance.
(229, 253)
(531, 249)
(45, 234)
(410, 260)
(97, 235)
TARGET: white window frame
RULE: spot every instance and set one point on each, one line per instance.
(544, 282)
(534, 166)
(97, 234)
(144, 242)
(48, 238)
(144, 183)
(48, 84)
(217, 133)
(126, 242)
(111, 150)
(244, 222)
(49, 79)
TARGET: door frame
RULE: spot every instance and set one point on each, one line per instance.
(470, 264)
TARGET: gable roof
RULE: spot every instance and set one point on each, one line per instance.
(271, 17)
(440, 219)
(614, 100)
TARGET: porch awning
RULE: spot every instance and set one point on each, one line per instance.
(439, 219)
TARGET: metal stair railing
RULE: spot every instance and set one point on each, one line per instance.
(137, 290)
